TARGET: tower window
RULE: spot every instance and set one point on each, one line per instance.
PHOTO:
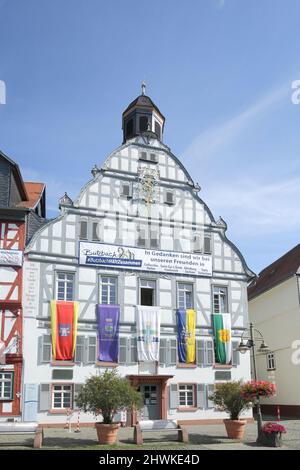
(157, 130)
(143, 123)
(129, 128)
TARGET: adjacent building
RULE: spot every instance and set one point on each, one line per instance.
(22, 212)
(274, 308)
(137, 237)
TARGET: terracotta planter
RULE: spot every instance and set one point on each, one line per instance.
(235, 428)
(107, 433)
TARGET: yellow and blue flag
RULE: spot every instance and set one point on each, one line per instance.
(186, 326)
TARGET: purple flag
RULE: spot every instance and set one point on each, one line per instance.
(108, 332)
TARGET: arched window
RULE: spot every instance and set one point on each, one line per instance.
(129, 128)
(143, 123)
(157, 130)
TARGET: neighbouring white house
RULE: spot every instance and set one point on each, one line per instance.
(274, 308)
(139, 239)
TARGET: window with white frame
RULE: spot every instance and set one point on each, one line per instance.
(6, 385)
(62, 397)
(185, 295)
(186, 395)
(271, 364)
(108, 290)
(220, 299)
(65, 286)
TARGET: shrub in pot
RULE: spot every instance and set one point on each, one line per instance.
(105, 394)
(228, 397)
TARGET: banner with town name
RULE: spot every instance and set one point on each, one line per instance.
(124, 257)
(11, 258)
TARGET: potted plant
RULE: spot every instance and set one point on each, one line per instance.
(228, 397)
(258, 389)
(104, 395)
(272, 434)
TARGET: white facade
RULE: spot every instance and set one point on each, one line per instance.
(275, 311)
(113, 206)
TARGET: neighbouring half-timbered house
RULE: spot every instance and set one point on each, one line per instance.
(160, 290)
(22, 211)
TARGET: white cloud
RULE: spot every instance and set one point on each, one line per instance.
(209, 141)
(252, 208)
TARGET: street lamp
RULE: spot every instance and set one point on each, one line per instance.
(247, 343)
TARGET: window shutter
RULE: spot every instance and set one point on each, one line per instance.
(235, 354)
(209, 352)
(173, 396)
(173, 352)
(200, 345)
(122, 350)
(132, 349)
(45, 348)
(210, 388)
(91, 349)
(44, 397)
(77, 388)
(79, 350)
(163, 351)
(201, 401)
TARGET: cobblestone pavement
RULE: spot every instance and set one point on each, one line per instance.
(201, 437)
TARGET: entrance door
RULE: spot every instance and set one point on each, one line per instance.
(151, 409)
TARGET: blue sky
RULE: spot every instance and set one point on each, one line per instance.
(221, 72)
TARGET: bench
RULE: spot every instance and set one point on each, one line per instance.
(159, 426)
(23, 428)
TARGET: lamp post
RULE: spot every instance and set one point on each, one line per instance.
(250, 335)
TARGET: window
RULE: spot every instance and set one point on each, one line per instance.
(92, 349)
(108, 290)
(154, 239)
(169, 197)
(271, 364)
(207, 243)
(96, 234)
(141, 240)
(143, 123)
(46, 348)
(185, 295)
(129, 128)
(6, 385)
(65, 286)
(83, 230)
(157, 130)
(62, 397)
(153, 157)
(220, 299)
(147, 292)
(126, 190)
(186, 395)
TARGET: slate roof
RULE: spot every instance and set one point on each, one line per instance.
(143, 101)
(277, 272)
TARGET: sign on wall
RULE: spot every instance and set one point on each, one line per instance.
(11, 257)
(124, 257)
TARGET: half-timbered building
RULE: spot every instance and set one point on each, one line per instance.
(22, 211)
(138, 237)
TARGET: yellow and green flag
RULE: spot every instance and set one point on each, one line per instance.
(222, 333)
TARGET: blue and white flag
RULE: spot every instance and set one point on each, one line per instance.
(148, 333)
